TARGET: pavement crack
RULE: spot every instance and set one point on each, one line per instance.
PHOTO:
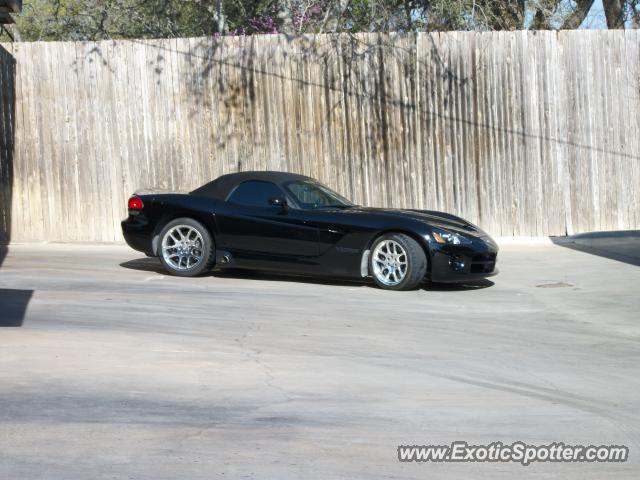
(255, 355)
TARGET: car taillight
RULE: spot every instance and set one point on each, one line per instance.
(135, 204)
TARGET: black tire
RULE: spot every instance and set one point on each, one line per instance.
(208, 249)
(416, 262)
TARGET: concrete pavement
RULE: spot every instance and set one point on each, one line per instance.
(111, 369)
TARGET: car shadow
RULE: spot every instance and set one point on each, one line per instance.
(281, 277)
(152, 264)
(622, 246)
(457, 287)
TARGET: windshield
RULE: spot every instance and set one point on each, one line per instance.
(312, 195)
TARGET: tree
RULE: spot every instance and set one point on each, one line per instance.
(614, 12)
(575, 18)
(101, 19)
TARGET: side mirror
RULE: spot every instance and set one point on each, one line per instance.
(278, 202)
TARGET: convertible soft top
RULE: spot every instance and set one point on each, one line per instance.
(221, 187)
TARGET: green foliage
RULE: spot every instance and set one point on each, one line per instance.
(104, 19)
(95, 20)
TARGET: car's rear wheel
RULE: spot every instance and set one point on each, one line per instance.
(397, 262)
(186, 248)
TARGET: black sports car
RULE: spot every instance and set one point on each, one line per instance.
(284, 222)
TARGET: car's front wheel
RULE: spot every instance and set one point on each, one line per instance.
(186, 248)
(397, 262)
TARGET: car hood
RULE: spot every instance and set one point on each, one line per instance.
(431, 217)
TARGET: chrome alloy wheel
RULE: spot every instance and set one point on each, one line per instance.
(389, 262)
(182, 247)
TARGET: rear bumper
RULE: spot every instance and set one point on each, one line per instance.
(463, 264)
(137, 233)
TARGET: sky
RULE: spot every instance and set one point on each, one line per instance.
(595, 19)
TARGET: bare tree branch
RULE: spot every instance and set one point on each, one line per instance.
(575, 19)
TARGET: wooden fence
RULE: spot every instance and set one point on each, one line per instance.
(524, 133)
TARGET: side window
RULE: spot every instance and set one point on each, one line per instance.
(254, 193)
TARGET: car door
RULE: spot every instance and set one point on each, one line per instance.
(343, 236)
(251, 228)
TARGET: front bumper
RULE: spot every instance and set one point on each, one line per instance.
(456, 263)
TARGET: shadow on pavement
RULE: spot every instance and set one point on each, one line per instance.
(154, 265)
(457, 287)
(144, 265)
(13, 306)
(623, 245)
(281, 277)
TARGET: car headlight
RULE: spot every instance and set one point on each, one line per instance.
(451, 238)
